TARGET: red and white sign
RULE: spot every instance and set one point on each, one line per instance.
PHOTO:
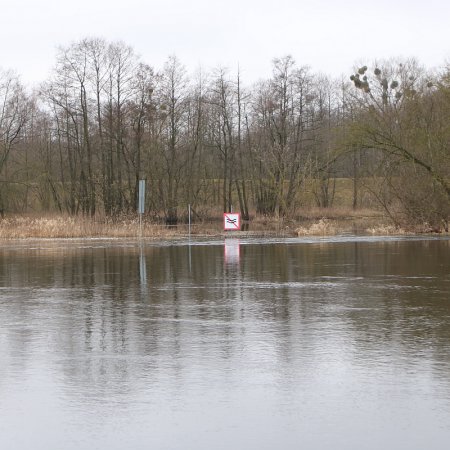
(231, 221)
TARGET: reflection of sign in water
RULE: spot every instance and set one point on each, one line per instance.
(232, 251)
(231, 221)
(142, 269)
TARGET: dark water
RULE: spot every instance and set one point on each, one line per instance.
(340, 344)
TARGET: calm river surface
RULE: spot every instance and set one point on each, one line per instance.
(253, 344)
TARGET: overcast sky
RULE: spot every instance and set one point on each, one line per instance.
(329, 36)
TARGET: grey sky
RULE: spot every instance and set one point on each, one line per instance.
(328, 36)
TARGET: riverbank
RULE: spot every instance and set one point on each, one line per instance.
(314, 222)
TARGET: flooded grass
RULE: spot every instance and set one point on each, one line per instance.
(311, 222)
(73, 227)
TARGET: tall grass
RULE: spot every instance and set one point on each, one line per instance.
(17, 227)
(311, 222)
(323, 227)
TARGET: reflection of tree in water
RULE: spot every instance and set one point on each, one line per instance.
(282, 302)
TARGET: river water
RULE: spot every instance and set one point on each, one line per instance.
(337, 343)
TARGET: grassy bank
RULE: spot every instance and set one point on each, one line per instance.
(18, 227)
(311, 222)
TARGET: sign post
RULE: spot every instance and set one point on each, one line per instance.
(141, 203)
(189, 220)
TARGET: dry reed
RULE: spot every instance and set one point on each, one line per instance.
(50, 227)
(386, 230)
(18, 227)
(323, 227)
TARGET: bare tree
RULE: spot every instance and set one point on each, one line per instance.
(400, 115)
(172, 97)
(14, 107)
(283, 122)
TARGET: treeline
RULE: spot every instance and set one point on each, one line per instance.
(104, 120)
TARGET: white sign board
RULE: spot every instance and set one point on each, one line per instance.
(141, 202)
(231, 221)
